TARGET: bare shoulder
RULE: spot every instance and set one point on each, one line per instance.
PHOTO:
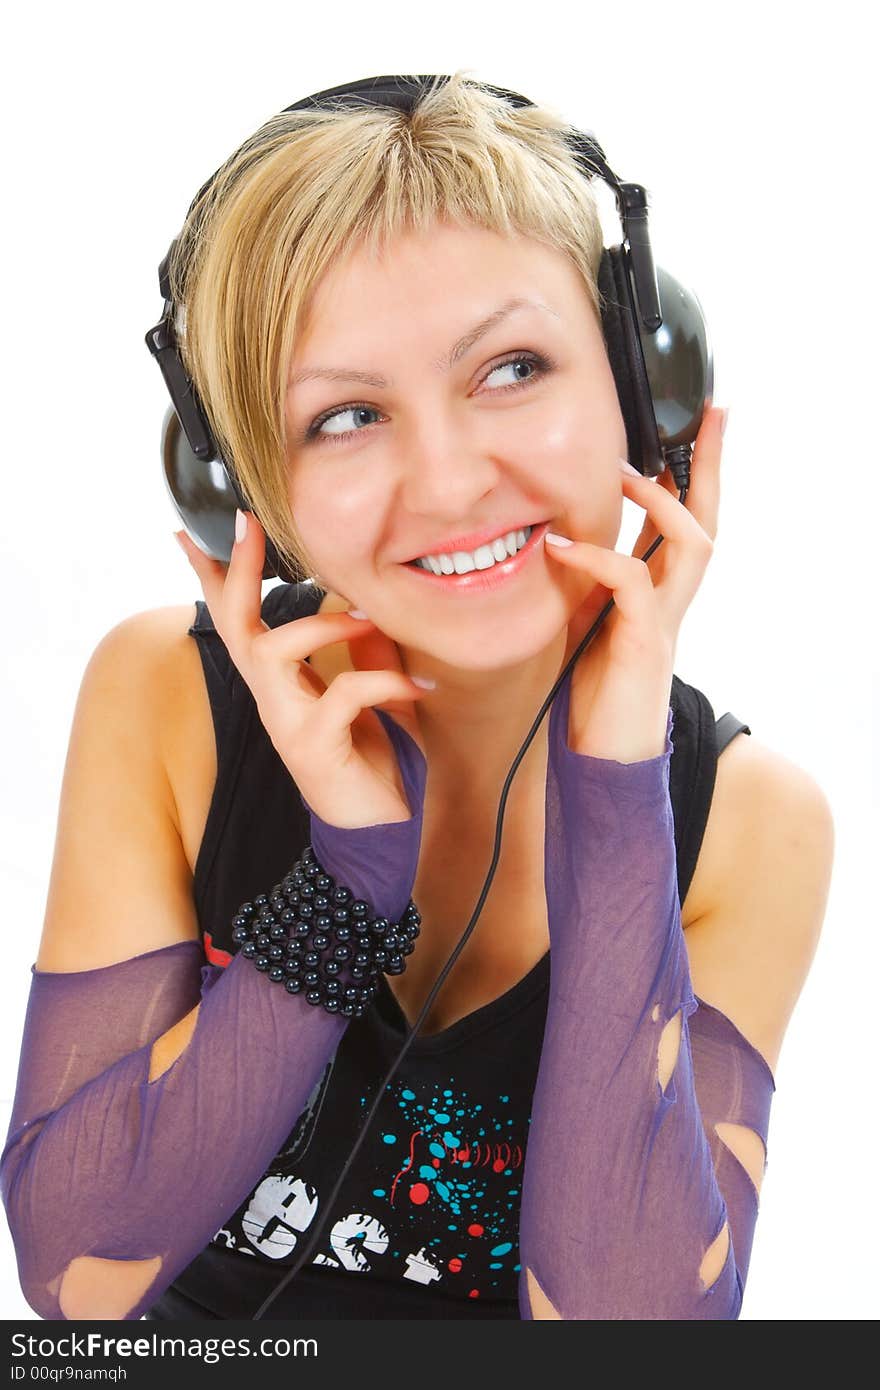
(765, 872)
(149, 651)
(763, 806)
(142, 701)
(184, 727)
(154, 643)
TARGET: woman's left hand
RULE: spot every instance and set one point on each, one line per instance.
(622, 683)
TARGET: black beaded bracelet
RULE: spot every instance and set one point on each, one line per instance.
(315, 937)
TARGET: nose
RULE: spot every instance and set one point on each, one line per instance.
(445, 469)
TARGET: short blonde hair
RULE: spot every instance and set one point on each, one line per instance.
(313, 185)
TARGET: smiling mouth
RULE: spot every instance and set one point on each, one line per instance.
(466, 576)
(485, 557)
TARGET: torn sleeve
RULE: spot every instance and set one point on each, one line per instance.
(100, 1161)
(627, 1182)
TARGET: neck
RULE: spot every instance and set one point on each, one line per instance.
(474, 722)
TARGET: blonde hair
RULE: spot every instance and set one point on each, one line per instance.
(311, 186)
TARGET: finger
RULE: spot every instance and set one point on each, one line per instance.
(673, 521)
(374, 650)
(649, 532)
(704, 495)
(352, 692)
(688, 547)
(366, 649)
(631, 587)
(369, 649)
(299, 638)
(242, 595)
(210, 573)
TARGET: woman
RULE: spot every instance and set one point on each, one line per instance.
(173, 1116)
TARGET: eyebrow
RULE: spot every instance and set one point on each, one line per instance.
(456, 352)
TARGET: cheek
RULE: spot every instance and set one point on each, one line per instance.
(574, 429)
(570, 455)
(337, 525)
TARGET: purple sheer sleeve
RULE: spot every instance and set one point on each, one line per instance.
(101, 1163)
(627, 1183)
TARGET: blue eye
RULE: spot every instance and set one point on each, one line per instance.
(335, 435)
(539, 364)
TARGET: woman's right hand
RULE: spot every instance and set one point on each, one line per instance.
(329, 737)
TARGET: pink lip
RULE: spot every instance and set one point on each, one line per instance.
(471, 541)
(483, 580)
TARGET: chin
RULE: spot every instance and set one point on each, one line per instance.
(480, 646)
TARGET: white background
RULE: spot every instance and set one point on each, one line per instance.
(750, 127)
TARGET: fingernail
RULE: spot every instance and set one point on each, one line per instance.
(553, 539)
(424, 681)
(628, 468)
(240, 526)
(356, 613)
(724, 420)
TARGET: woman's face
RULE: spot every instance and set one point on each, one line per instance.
(518, 426)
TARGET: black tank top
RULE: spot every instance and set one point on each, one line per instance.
(426, 1223)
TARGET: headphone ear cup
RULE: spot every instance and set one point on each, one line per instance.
(664, 379)
(205, 495)
(627, 364)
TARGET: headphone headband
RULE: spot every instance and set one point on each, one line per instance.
(631, 198)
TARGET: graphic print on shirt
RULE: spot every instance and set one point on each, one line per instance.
(436, 1202)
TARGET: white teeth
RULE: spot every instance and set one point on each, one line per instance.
(483, 558)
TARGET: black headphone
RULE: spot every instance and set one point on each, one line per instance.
(654, 331)
(659, 351)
